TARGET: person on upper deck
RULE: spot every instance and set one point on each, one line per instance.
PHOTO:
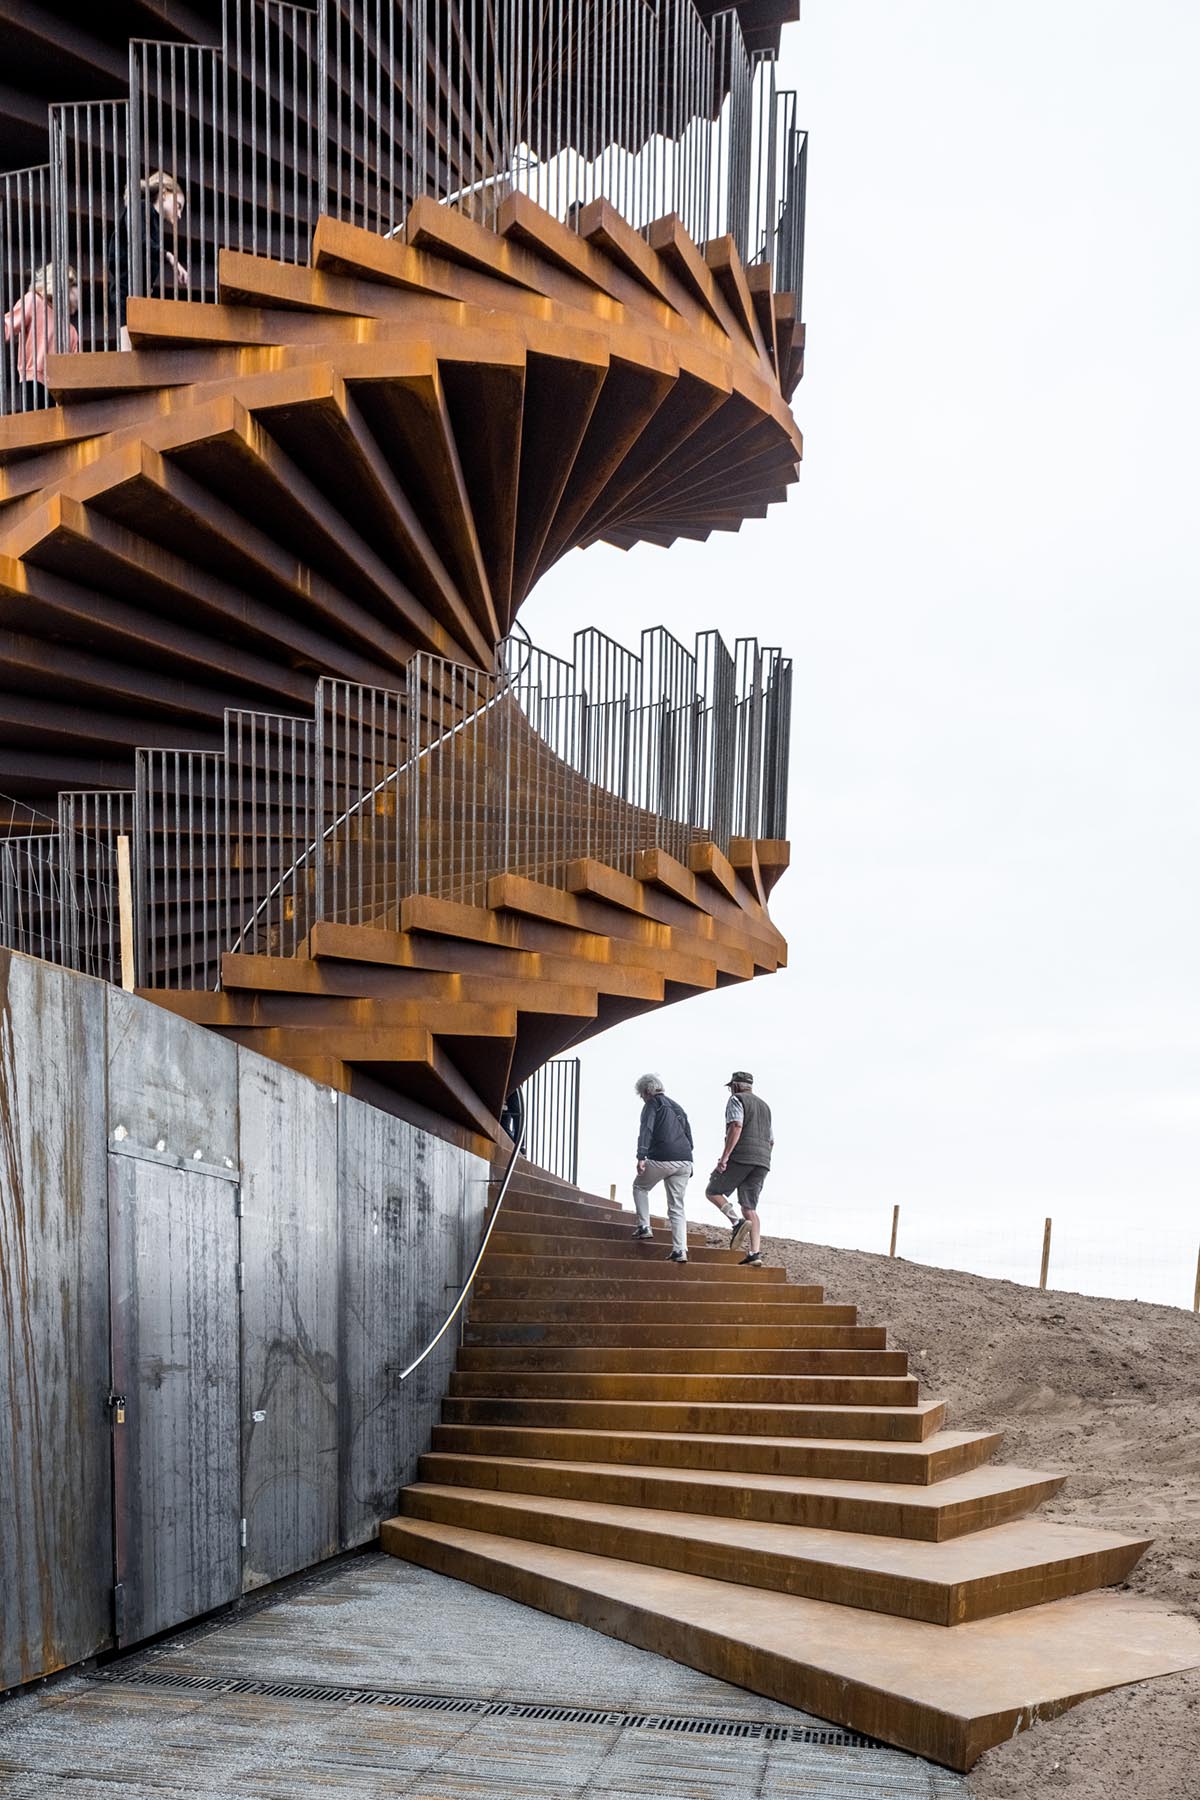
(164, 274)
(29, 330)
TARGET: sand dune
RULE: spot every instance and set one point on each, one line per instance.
(1107, 1390)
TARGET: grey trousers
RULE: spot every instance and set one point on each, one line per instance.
(676, 1176)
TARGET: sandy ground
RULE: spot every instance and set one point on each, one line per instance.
(1107, 1390)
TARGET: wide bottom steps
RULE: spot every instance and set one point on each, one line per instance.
(944, 1694)
(945, 1509)
(721, 1466)
(1000, 1570)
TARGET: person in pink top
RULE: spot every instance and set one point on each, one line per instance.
(29, 331)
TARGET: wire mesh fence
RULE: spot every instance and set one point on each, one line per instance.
(32, 914)
(89, 826)
(358, 108)
(180, 869)
(272, 830)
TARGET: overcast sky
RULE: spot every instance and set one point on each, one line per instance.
(988, 578)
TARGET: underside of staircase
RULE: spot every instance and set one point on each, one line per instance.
(718, 1465)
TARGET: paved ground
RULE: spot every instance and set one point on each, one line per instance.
(166, 1723)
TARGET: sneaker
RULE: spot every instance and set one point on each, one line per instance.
(753, 1261)
(738, 1234)
(642, 1231)
(677, 1256)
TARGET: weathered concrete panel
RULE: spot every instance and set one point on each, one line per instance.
(289, 1160)
(173, 1248)
(170, 1083)
(115, 1237)
(55, 1498)
(404, 1198)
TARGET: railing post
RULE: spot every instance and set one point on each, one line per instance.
(769, 221)
(322, 116)
(125, 913)
(575, 1124)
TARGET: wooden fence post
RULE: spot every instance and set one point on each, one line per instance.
(1045, 1254)
(895, 1227)
(1196, 1299)
(125, 913)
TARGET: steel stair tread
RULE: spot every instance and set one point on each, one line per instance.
(565, 1359)
(857, 1460)
(969, 1484)
(1020, 1563)
(666, 1385)
(517, 1334)
(517, 1310)
(911, 1422)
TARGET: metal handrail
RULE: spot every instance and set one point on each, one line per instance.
(518, 1145)
(392, 774)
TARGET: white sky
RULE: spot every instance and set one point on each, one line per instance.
(988, 577)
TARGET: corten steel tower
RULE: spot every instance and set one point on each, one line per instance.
(378, 311)
(325, 339)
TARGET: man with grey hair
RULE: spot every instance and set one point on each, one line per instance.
(664, 1153)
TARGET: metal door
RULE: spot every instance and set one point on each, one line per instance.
(173, 1271)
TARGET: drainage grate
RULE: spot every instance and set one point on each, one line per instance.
(760, 1730)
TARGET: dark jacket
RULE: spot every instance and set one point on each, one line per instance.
(118, 261)
(664, 1134)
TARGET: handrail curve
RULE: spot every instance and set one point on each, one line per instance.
(508, 676)
(518, 1146)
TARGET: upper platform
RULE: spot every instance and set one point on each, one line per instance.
(58, 52)
(337, 466)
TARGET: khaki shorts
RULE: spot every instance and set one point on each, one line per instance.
(743, 1178)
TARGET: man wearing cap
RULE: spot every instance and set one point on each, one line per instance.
(744, 1162)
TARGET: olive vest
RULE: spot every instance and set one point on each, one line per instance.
(754, 1145)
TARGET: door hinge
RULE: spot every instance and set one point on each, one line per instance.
(118, 1601)
(239, 1206)
(242, 1534)
(241, 1278)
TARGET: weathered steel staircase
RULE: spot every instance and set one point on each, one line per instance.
(716, 1464)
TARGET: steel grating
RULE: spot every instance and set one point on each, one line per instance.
(757, 1730)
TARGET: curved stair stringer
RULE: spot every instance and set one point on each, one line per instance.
(717, 1465)
(446, 1006)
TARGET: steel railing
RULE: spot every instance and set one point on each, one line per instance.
(551, 1118)
(434, 788)
(357, 108)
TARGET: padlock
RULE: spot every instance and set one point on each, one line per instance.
(120, 1415)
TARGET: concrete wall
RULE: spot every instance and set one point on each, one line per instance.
(211, 1273)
